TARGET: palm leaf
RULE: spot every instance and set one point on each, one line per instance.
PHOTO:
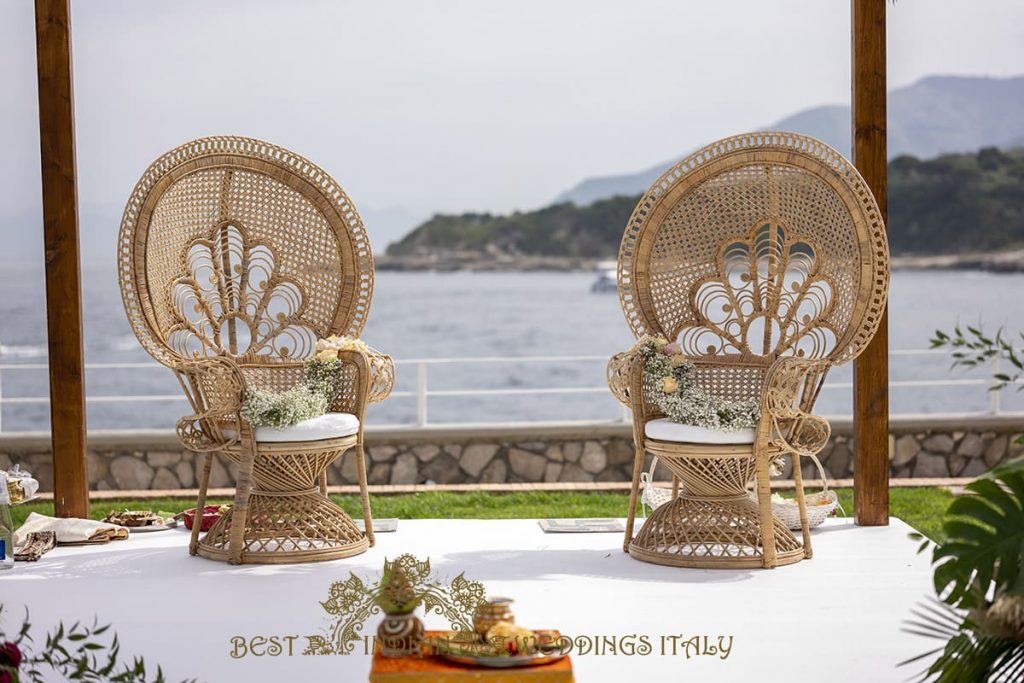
(984, 543)
(970, 655)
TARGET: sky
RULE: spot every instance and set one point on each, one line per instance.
(424, 106)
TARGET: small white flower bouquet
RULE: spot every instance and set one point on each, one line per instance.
(311, 397)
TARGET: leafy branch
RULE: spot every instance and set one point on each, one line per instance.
(984, 546)
(975, 348)
(80, 652)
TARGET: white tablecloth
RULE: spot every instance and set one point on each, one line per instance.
(834, 618)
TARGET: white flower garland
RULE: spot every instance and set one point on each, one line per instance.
(671, 387)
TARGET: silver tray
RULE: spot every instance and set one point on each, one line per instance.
(170, 524)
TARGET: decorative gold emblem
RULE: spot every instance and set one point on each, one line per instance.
(352, 601)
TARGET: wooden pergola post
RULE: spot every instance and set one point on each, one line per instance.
(63, 270)
(871, 370)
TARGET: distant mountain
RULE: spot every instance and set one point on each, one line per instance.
(957, 203)
(561, 230)
(388, 224)
(936, 115)
(953, 204)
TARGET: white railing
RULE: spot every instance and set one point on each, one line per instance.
(423, 393)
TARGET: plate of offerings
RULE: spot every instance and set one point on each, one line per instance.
(504, 646)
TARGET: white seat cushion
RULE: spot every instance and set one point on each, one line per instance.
(327, 426)
(664, 429)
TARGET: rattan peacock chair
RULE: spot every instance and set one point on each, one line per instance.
(764, 256)
(234, 257)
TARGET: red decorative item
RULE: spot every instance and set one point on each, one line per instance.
(10, 658)
(211, 513)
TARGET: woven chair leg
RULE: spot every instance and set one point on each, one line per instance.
(675, 487)
(240, 508)
(204, 482)
(801, 501)
(323, 483)
(638, 467)
(364, 495)
(764, 504)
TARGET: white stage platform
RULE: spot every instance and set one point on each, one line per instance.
(835, 618)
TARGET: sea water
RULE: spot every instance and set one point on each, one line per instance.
(427, 315)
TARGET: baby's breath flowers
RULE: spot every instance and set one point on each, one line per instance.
(311, 397)
(673, 388)
(282, 409)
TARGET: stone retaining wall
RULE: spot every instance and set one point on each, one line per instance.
(934, 447)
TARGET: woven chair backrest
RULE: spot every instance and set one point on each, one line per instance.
(234, 247)
(757, 246)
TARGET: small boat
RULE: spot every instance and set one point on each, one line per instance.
(607, 279)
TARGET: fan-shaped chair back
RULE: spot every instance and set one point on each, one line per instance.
(757, 246)
(235, 247)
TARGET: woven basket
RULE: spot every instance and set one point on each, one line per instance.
(652, 496)
(819, 505)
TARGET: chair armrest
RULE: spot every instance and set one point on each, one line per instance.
(354, 393)
(371, 382)
(790, 389)
(619, 374)
(381, 368)
(625, 375)
(215, 388)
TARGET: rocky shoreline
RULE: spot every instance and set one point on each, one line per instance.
(1002, 262)
(475, 261)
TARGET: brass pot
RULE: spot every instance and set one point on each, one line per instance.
(491, 612)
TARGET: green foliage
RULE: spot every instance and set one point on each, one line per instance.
(971, 653)
(310, 398)
(984, 546)
(957, 203)
(979, 580)
(76, 653)
(974, 348)
(952, 204)
(592, 231)
(921, 508)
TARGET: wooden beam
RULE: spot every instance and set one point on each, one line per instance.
(63, 271)
(871, 370)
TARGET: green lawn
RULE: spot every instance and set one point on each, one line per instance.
(922, 508)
